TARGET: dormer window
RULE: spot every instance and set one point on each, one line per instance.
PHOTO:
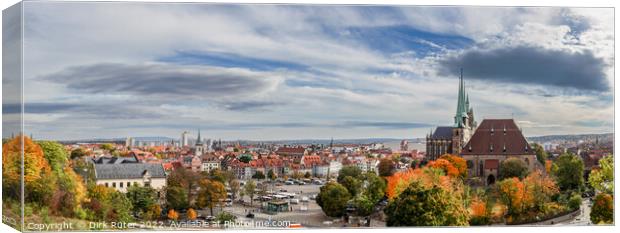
(492, 130)
(504, 129)
(504, 149)
(491, 148)
(469, 148)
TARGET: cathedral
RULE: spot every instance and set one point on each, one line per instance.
(452, 139)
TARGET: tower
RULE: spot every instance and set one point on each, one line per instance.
(184, 139)
(464, 124)
(199, 149)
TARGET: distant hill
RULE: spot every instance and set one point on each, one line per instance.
(572, 137)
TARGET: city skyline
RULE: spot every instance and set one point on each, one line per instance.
(310, 71)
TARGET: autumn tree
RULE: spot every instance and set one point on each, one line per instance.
(173, 215)
(512, 167)
(186, 179)
(569, 173)
(38, 179)
(153, 212)
(234, 188)
(333, 198)
(249, 189)
(603, 209)
(211, 193)
(271, 175)
(446, 166)
(191, 214)
(426, 206)
(602, 179)
(386, 167)
(78, 153)
(457, 162)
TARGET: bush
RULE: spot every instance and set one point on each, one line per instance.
(574, 202)
(225, 217)
(602, 209)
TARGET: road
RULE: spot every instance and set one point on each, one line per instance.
(583, 219)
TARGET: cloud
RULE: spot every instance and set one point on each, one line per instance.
(531, 65)
(164, 80)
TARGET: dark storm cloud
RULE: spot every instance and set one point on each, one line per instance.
(161, 80)
(531, 65)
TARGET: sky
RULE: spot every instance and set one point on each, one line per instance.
(268, 72)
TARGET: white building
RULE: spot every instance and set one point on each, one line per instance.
(123, 175)
(185, 138)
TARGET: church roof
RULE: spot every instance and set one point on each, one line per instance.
(442, 132)
(497, 137)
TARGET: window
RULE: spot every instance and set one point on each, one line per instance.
(147, 184)
(128, 184)
(113, 184)
(121, 184)
(106, 184)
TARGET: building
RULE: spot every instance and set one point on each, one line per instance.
(294, 153)
(451, 139)
(185, 139)
(210, 162)
(200, 148)
(494, 141)
(124, 175)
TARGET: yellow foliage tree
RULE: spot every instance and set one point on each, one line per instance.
(446, 166)
(191, 214)
(459, 163)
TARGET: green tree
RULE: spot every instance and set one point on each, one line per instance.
(386, 167)
(603, 209)
(259, 175)
(351, 170)
(55, 154)
(352, 185)
(78, 153)
(421, 206)
(512, 167)
(141, 198)
(176, 197)
(185, 178)
(249, 189)
(375, 187)
(211, 194)
(569, 173)
(333, 198)
(602, 179)
(246, 158)
(271, 174)
(541, 154)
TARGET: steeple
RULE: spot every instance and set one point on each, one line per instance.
(462, 105)
(198, 140)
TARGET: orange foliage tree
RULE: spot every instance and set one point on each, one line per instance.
(459, 163)
(191, 214)
(446, 166)
(532, 193)
(38, 180)
(173, 215)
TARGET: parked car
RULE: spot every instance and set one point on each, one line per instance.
(289, 182)
(250, 215)
(302, 183)
(304, 199)
(295, 201)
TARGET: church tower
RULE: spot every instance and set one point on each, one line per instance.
(464, 123)
(199, 149)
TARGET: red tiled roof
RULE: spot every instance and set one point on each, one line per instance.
(291, 150)
(497, 137)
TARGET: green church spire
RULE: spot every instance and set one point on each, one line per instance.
(462, 104)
